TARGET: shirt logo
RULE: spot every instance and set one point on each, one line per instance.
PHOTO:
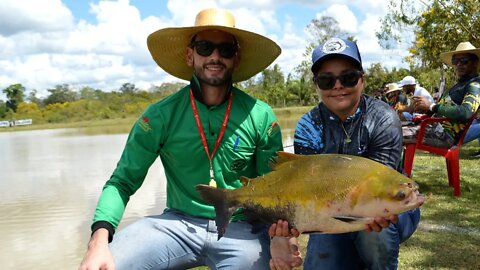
(273, 129)
(238, 165)
(334, 45)
(144, 123)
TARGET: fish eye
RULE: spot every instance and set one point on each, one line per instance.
(400, 195)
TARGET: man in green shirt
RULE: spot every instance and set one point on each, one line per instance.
(459, 103)
(209, 132)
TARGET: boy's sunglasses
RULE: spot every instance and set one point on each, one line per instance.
(462, 60)
(327, 81)
(206, 48)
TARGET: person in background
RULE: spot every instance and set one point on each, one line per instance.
(412, 90)
(459, 103)
(395, 97)
(349, 122)
(436, 94)
(209, 132)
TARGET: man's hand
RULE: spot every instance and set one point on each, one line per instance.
(284, 246)
(98, 256)
(379, 223)
(421, 104)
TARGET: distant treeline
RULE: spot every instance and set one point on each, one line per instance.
(65, 104)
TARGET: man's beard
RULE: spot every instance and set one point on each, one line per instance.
(217, 81)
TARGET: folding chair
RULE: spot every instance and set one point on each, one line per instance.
(451, 154)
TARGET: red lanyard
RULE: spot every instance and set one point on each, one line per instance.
(202, 133)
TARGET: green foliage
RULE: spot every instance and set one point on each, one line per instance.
(3, 109)
(128, 88)
(15, 94)
(32, 97)
(439, 26)
(60, 94)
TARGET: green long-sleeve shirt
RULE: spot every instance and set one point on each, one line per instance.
(459, 104)
(167, 129)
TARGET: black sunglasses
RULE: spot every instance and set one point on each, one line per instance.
(461, 60)
(206, 48)
(326, 81)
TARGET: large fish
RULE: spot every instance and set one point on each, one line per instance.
(327, 193)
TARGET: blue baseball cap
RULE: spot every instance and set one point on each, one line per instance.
(336, 47)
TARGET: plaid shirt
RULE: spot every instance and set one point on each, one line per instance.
(374, 130)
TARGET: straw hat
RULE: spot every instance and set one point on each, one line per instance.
(463, 47)
(167, 46)
(392, 87)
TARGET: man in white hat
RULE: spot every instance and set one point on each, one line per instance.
(209, 132)
(413, 90)
(459, 103)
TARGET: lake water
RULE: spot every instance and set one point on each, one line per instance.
(50, 181)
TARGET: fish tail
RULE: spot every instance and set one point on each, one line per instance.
(223, 207)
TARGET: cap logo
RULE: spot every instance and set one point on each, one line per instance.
(334, 45)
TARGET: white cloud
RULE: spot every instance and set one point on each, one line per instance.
(43, 47)
(343, 15)
(32, 16)
(102, 55)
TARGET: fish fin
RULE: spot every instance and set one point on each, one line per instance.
(244, 180)
(351, 219)
(223, 210)
(313, 232)
(282, 158)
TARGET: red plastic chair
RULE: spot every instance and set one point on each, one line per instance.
(451, 154)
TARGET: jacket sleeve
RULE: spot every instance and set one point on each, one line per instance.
(141, 150)
(270, 141)
(469, 105)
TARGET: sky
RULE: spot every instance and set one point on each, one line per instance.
(102, 44)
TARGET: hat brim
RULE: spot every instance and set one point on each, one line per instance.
(447, 56)
(316, 66)
(168, 49)
(394, 90)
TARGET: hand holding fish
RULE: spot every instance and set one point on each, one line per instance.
(380, 223)
(284, 246)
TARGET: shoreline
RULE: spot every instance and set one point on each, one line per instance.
(128, 121)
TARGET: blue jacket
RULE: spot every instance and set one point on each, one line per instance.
(375, 133)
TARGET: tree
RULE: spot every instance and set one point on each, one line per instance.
(15, 94)
(439, 26)
(60, 94)
(87, 93)
(32, 97)
(3, 109)
(273, 84)
(128, 88)
(320, 30)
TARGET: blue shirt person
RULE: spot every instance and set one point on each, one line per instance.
(349, 122)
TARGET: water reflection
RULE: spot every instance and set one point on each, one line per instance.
(49, 185)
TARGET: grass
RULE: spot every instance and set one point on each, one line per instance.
(449, 231)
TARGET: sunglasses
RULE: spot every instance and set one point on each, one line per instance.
(462, 60)
(206, 48)
(327, 81)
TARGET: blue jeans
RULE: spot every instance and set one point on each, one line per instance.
(360, 250)
(174, 240)
(473, 132)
